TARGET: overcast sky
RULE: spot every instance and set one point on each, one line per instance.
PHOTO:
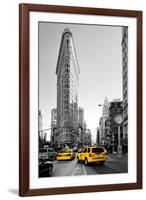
(99, 54)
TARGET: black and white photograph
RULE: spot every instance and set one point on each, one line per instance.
(83, 99)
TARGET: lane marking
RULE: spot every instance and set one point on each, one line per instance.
(75, 170)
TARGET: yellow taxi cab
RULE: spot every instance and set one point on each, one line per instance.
(92, 154)
(65, 154)
(79, 154)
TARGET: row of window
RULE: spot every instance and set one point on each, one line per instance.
(125, 94)
(125, 103)
(67, 70)
(125, 84)
(71, 99)
(125, 65)
(66, 105)
(67, 52)
(125, 43)
(125, 74)
(125, 59)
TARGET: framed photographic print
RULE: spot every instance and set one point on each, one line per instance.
(80, 99)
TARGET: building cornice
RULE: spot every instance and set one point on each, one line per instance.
(66, 31)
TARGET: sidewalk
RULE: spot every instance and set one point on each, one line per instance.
(116, 156)
(119, 164)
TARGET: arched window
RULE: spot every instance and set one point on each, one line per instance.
(67, 70)
(67, 41)
(67, 65)
(66, 85)
(66, 96)
(66, 76)
(66, 101)
(66, 80)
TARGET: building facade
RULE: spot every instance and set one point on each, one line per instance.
(81, 117)
(81, 125)
(87, 138)
(40, 119)
(67, 72)
(104, 124)
(98, 136)
(53, 126)
(125, 80)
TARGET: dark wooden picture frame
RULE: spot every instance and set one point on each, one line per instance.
(24, 106)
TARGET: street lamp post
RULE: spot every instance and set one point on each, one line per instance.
(118, 120)
(113, 141)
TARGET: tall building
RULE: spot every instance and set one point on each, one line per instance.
(67, 72)
(40, 119)
(53, 125)
(81, 117)
(101, 126)
(104, 123)
(105, 111)
(81, 125)
(87, 139)
(98, 136)
(125, 80)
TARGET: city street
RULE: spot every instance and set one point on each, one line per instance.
(112, 165)
(103, 131)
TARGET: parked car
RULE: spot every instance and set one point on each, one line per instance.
(65, 154)
(45, 168)
(47, 154)
(43, 154)
(51, 154)
(92, 154)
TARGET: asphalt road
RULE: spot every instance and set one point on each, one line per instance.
(72, 168)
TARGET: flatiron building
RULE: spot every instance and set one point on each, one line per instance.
(67, 72)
